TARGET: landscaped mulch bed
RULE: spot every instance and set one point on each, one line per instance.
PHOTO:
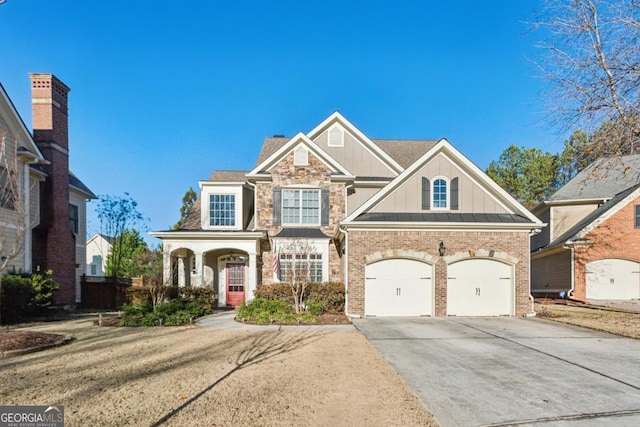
(19, 340)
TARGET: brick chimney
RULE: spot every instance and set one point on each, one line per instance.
(53, 240)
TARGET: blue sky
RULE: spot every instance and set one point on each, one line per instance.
(163, 92)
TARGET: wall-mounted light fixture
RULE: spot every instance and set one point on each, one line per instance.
(442, 249)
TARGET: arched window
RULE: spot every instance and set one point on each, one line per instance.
(440, 194)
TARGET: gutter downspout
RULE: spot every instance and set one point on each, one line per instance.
(573, 271)
(346, 274)
(27, 218)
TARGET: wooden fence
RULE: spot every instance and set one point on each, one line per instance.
(103, 292)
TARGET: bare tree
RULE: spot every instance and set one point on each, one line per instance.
(591, 62)
(150, 262)
(13, 212)
(296, 266)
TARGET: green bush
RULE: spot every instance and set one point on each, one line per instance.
(24, 296)
(328, 296)
(137, 309)
(315, 307)
(134, 294)
(17, 295)
(263, 311)
(44, 288)
(275, 291)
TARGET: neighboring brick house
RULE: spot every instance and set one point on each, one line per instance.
(591, 249)
(55, 229)
(411, 227)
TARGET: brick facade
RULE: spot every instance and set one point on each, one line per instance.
(316, 174)
(512, 247)
(616, 237)
(53, 241)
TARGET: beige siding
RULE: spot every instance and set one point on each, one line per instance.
(551, 274)
(473, 198)
(358, 196)
(542, 238)
(354, 156)
(565, 217)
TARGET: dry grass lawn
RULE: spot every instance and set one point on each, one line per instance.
(626, 324)
(192, 376)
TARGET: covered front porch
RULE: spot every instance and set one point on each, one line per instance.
(229, 267)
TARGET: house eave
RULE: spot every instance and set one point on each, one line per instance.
(205, 235)
(408, 226)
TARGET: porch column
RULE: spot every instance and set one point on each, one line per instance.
(199, 269)
(252, 283)
(166, 268)
(181, 272)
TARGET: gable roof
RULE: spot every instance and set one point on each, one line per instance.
(16, 122)
(75, 182)
(228, 176)
(603, 179)
(289, 146)
(405, 151)
(594, 218)
(336, 117)
(443, 146)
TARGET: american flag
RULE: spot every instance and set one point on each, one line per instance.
(275, 260)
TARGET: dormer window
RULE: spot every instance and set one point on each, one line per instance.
(222, 210)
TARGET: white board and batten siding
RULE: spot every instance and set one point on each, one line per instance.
(613, 279)
(398, 287)
(480, 287)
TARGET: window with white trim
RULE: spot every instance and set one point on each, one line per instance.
(637, 216)
(300, 266)
(8, 189)
(222, 210)
(300, 206)
(440, 194)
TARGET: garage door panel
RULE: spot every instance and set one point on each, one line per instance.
(613, 278)
(398, 287)
(479, 287)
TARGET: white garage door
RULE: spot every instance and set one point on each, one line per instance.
(398, 287)
(613, 279)
(479, 287)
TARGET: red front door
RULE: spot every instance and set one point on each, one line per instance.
(235, 284)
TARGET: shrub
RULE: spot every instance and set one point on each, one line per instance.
(320, 297)
(17, 294)
(330, 294)
(205, 297)
(137, 309)
(134, 294)
(44, 287)
(275, 291)
(263, 311)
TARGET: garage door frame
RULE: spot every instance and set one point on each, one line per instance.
(590, 274)
(480, 286)
(430, 291)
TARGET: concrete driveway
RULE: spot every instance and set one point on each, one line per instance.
(512, 371)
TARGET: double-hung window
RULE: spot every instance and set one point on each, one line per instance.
(301, 266)
(301, 206)
(637, 216)
(222, 210)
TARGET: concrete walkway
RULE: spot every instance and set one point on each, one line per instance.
(225, 320)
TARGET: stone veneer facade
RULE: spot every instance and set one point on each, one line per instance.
(285, 173)
(369, 246)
